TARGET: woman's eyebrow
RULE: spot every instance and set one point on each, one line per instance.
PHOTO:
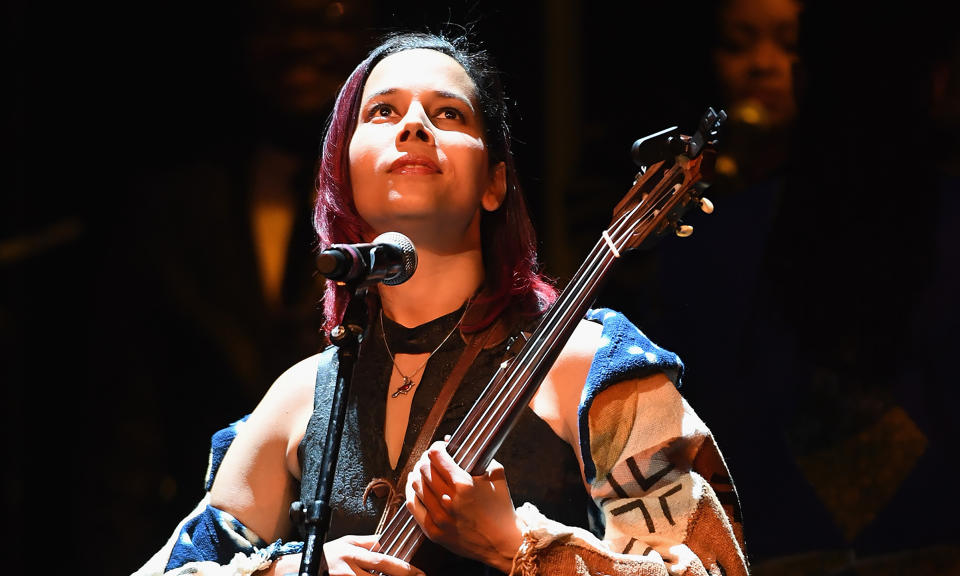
(384, 92)
(455, 96)
(438, 93)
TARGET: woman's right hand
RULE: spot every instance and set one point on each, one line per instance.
(347, 556)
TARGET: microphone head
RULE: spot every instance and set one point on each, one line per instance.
(408, 256)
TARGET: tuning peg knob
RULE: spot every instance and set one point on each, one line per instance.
(706, 205)
(684, 230)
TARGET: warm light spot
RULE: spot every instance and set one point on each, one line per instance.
(725, 165)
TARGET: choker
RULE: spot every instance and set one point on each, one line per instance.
(414, 341)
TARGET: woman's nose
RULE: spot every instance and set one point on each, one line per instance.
(414, 127)
(416, 131)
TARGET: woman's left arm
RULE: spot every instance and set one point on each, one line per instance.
(655, 473)
(667, 500)
(648, 461)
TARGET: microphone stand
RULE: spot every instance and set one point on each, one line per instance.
(315, 516)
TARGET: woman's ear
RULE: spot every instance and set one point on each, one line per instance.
(497, 190)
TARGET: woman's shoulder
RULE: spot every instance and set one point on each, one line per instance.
(289, 398)
(589, 364)
(560, 392)
(626, 352)
(301, 375)
(601, 350)
(607, 347)
(582, 346)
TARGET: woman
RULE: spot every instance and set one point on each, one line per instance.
(419, 144)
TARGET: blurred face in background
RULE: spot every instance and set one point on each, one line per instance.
(754, 59)
(301, 51)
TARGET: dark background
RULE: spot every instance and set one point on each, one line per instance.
(133, 327)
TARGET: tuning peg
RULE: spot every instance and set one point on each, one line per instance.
(684, 230)
(706, 205)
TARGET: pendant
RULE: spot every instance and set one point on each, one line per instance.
(404, 388)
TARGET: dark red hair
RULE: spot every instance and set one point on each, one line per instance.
(512, 279)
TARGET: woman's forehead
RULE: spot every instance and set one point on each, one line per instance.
(419, 71)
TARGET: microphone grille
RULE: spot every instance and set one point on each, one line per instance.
(408, 256)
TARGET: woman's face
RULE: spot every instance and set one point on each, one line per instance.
(755, 57)
(418, 161)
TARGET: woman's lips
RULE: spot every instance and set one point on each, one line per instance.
(414, 165)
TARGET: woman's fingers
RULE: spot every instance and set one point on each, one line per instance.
(352, 556)
(444, 467)
(365, 541)
(427, 502)
(375, 562)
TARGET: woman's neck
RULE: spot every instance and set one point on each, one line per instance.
(441, 284)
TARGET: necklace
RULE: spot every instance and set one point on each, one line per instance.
(408, 382)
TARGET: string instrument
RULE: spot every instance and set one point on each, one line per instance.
(674, 171)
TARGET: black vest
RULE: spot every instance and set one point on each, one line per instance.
(541, 468)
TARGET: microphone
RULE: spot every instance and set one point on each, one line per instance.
(390, 258)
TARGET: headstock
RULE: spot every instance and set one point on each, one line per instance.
(674, 171)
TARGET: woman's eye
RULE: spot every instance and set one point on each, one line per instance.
(381, 111)
(451, 114)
